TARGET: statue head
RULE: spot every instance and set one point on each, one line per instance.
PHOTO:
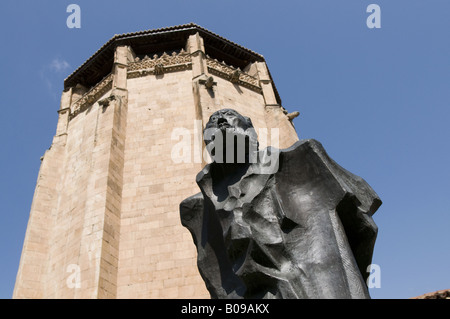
(230, 137)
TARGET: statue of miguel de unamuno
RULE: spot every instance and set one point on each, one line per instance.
(273, 223)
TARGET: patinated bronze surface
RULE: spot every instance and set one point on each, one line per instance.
(287, 223)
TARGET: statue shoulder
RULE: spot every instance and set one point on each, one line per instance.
(193, 202)
(309, 159)
(303, 145)
(191, 209)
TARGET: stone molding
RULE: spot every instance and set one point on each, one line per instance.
(159, 64)
(182, 61)
(232, 74)
(91, 96)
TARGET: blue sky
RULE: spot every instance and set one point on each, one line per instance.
(377, 99)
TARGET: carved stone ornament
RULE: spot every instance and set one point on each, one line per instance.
(291, 116)
(105, 102)
(208, 81)
(301, 230)
(159, 68)
(234, 75)
(91, 96)
(160, 64)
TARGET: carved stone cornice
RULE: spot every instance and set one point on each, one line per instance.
(160, 64)
(91, 96)
(232, 74)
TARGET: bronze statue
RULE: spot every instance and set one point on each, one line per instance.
(287, 223)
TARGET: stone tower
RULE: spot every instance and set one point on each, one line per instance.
(104, 221)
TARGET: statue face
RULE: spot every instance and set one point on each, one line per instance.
(228, 133)
(228, 118)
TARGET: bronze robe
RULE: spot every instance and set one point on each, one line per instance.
(305, 231)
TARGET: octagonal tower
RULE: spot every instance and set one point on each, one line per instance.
(104, 221)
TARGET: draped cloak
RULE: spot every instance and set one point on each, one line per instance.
(304, 231)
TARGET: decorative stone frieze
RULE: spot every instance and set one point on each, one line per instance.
(234, 75)
(91, 96)
(159, 64)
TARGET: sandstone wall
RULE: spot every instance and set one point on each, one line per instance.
(104, 222)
